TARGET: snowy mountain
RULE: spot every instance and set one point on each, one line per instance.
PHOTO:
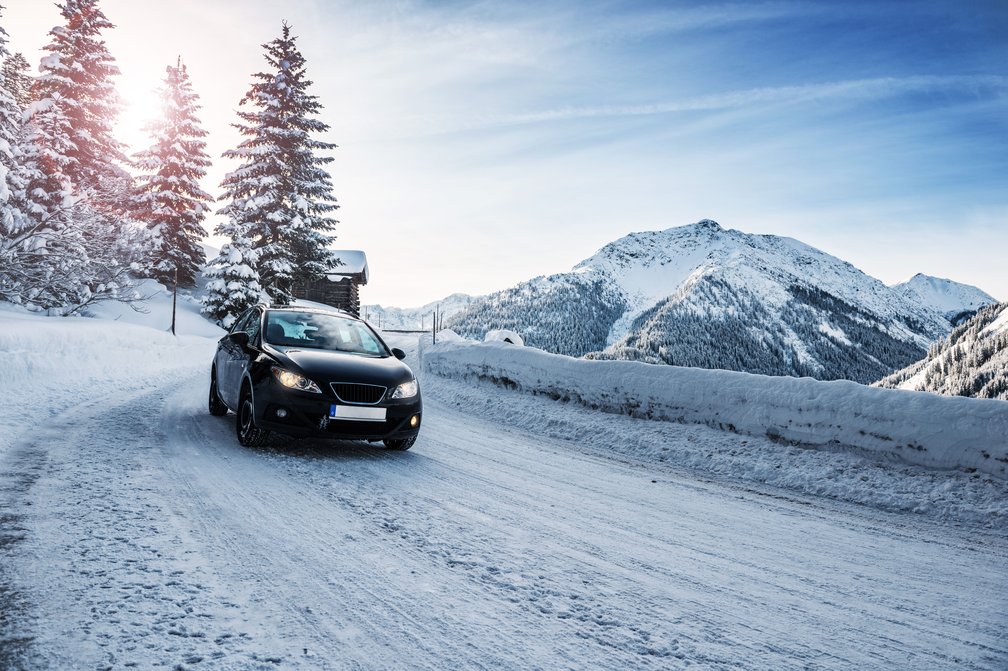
(958, 302)
(704, 296)
(972, 361)
(416, 318)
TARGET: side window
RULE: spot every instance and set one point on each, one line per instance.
(253, 325)
(241, 322)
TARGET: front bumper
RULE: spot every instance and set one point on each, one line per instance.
(308, 415)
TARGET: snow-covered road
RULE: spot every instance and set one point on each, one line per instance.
(135, 531)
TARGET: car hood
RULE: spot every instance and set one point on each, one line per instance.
(325, 366)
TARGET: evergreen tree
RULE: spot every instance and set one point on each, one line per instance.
(281, 196)
(234, 284)
(16, 242)
(10, 131)
(15, 73)
(170, 201)
(70, 244)
(78, 71)
(42, 252)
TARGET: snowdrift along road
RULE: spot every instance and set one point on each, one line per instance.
(915, 427)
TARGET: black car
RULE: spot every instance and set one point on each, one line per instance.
(313, 372)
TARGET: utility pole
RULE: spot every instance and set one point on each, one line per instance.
(174, 298)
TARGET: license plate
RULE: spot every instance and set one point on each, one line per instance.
(356, 413)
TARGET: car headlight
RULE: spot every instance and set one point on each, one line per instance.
(406, 390)
(293, 380)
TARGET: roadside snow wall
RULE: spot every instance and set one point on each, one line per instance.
(915, 427)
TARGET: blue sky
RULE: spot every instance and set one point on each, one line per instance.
(485, 143)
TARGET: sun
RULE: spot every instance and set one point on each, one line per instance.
(141, 106)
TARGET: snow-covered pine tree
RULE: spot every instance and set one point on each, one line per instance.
(234, 282)
(17, 79)
(10, 131)
(43, 253)
(169, 198)
(78, 70)
(281, 195)
(18, 242)
(82, 242)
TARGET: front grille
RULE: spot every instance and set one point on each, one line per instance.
(359, 394)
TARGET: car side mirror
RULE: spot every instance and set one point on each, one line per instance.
(240, 338)
(398, 353)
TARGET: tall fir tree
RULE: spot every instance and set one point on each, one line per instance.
(169, 198)
(77, 70)
(74, 244)
(16, 75)
(281, 196)
(16, 242)
(43, 254)
(10, 131)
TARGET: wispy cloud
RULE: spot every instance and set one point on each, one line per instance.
(854, 90)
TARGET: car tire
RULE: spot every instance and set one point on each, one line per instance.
(249, 434)
(217, 407)
(401, 444)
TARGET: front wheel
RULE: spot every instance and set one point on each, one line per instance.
(249, 434)
(217, 407)
(400, 443)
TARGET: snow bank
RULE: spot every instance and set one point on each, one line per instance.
(155, 311)
(51, 364)
(916, 427)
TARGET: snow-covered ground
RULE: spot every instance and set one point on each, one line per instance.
(520, 532)
(53, 365)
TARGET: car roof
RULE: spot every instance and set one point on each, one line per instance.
(305, 308)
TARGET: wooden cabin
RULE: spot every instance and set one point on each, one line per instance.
(340, 288)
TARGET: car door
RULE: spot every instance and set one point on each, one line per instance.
(244, 356)
(228, 357)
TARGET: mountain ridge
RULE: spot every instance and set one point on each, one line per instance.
(391, 317)
(955, 300)
(717, 298)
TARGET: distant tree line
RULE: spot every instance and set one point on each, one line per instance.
(550, 313)
(971, 361)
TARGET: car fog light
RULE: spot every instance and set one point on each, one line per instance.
(414, 420)
(281, 413)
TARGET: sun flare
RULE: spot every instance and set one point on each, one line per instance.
(141, 107)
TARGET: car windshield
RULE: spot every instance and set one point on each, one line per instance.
(314, 330)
